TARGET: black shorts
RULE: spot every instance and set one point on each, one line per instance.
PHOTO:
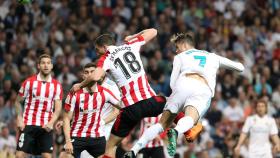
(152, 152)
(130, 116)
(35, 140)
(94, 146)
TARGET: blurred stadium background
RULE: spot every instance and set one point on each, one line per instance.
(245, 30)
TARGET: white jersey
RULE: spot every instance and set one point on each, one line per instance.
(124, 64)
(111, 85)
(203, 63)
(259, 130)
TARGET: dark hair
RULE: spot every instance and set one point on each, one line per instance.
(44, 56)
(262, 101)
(104, 39)
(182, 38)
(88, 65)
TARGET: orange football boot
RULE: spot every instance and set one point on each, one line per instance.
(192, 133)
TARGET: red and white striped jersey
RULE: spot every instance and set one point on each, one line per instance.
(125, 66)
(88, 108)
(145, 124)
(39, 97)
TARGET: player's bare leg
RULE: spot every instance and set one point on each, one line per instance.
(21, 154)
(111, 145)
(165, 121)
(46, 155)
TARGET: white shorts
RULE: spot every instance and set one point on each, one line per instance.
(262, 155)
(189, 91)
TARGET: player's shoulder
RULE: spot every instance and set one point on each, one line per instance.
(31, 78)
(269, 118)
(55, 81)
(251, 118)
(103, 88)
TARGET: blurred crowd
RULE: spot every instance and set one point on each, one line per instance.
(243, 30)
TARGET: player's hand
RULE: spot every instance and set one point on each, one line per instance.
(75, 88)
(68, 147)
(276, 148)
(237, 151)
(58, 125)
(48, 127)
(128, 38)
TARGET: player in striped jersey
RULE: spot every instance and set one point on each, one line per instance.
(124, 64)
(154, 148)
(86, 107)
(39, 94)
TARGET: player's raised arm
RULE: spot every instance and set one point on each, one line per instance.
(147, 34)
(229, 64)
(175, 72)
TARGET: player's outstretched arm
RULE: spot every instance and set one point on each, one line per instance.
(147, 34)
(229, 64)
(97, 76)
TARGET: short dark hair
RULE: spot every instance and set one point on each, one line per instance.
(105, 39)
(44, 56)
(182, 38)
(261, 100)
(88, 65)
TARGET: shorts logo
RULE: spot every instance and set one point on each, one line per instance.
(21, 140)
(51, 148)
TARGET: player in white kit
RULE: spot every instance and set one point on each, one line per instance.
(108, 108)
(260, 127)
(192, 82)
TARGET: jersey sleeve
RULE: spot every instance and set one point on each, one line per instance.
(111, 98)
(59, 92)
(273, 128)
(104, 62)
(175, 71)
(247, 125)
(139, 41)
(229, 64)
(136, 44)
(70, 102)
(24, 89)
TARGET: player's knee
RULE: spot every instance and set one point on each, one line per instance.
(46, 155)
(167, 119)
(192, 112)
(20, 154)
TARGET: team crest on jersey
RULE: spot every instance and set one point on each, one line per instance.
(86, 111)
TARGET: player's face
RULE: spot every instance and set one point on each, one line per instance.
(88, 71)
(100, 50)
(261, 109)
(45, 66)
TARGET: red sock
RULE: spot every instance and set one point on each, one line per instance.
(178, 117)
(105, 156)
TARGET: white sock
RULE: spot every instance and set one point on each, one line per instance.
(184, 124)
(147, 136)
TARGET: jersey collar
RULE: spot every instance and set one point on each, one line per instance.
(49, 79)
